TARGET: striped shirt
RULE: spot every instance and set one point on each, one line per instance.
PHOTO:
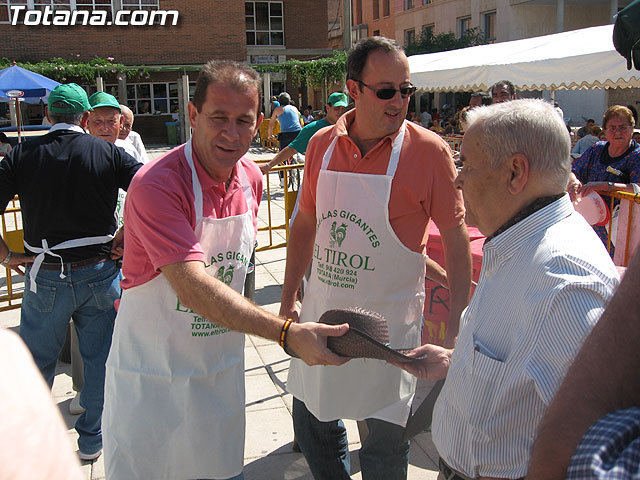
(544, 284)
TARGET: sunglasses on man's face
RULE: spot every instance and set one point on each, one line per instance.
(387, 93)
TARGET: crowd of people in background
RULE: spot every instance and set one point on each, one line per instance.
(449, 120)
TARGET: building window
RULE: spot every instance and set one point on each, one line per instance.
(489, 26)
(464, 24)
(153, 98)
(427, 30)
(148, 98)
(54, 5)
(409, 4)
(90, 5)
(5, 9)
(93, 4)
(264, 23)
(409, 37)
(376, 9)
(386, 8)
(140, 4)
(376, 33)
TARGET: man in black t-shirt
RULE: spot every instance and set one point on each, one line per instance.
(67, 182)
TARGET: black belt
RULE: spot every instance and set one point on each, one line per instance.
(74, 265)
(449, 473)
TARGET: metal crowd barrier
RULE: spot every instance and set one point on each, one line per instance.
(627, 228)
(12, 231)
(292, 181)
(13, 235)
(454, 142)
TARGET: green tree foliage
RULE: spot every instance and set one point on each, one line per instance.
(427, 42)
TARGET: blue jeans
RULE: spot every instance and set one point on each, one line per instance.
(86, 295)
(383, 455)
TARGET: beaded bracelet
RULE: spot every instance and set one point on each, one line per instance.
(284, 332)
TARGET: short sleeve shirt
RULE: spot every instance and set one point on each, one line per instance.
(160, 215)
(301, 142)
(68, 186)
(422, 187)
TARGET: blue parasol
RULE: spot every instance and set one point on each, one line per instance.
(19, 84)
(35, 87)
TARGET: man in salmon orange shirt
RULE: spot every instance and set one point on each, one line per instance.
(372, 184)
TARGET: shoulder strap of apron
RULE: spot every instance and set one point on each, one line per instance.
(328, 154)
(246, 187)
(395, 151)
(394, 158)
(197, 188)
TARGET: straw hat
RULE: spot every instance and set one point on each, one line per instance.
(367, 337)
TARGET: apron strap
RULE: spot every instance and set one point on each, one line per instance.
(197, 188)
(328, 153)
(46, 249)
(246, 188)
(394, 158)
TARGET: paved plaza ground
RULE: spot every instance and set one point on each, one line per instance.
(269, 432)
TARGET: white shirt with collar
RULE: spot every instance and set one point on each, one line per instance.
(544, 283)
(129, 148)
(136, 141)
(66, 126)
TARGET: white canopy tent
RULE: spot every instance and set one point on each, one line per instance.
(569, 60)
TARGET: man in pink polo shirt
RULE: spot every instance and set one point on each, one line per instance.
(372, 183)
(174, 395)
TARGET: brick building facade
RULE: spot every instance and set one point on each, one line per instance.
(252, 31)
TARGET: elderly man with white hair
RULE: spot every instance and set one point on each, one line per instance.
(545, 281)
(128, 134)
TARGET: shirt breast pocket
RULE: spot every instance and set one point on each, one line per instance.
(487, 374)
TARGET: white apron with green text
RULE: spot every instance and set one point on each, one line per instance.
(358, 261)
(174, 392)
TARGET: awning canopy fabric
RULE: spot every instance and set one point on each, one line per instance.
(583, 58)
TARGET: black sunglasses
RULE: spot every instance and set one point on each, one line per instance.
(387, 93)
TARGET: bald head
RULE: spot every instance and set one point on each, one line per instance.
(127, 123)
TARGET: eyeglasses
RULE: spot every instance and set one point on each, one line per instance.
(387, 93)
(618, 128)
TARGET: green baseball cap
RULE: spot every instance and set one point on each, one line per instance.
(68, 98)
(338, 99)
(104, 99)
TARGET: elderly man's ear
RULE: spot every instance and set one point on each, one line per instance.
(518, 166)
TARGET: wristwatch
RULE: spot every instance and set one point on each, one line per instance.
(7, 259)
